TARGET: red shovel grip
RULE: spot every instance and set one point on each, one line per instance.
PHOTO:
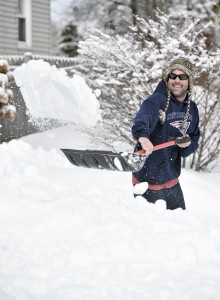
(167, 144)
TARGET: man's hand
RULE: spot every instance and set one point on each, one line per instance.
(184, 145)
(146, 145)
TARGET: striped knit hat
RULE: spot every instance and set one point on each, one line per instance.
(188, 68)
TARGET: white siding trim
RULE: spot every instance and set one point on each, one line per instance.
(28, 16)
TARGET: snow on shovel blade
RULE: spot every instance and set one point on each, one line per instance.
(106, 160)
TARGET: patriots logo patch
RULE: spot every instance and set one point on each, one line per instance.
(178, 125)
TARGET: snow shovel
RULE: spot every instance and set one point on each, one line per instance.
(108, 160)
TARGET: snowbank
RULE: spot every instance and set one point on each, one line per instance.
(73, 233)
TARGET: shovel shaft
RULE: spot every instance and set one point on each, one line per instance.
(164, 145)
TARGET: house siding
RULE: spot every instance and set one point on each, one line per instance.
(8, 27)
(41, 28)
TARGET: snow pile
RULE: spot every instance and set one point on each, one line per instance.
(73, 233)
(49, 93)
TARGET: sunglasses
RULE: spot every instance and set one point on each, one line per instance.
(181, 76)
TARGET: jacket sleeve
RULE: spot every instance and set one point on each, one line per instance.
(195, 135)
(146, 118)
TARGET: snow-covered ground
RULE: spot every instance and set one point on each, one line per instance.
(69, 233)
(73, 233)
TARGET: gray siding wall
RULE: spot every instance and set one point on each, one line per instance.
(41, 28)
(8, 27)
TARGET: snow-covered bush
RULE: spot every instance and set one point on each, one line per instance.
(207, 97)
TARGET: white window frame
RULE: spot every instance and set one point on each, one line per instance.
(27, 15)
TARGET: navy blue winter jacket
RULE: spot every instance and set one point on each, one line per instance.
(165, 164)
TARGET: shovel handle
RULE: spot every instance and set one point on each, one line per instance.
(168, 144)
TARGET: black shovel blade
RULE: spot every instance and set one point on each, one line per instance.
(106, 160)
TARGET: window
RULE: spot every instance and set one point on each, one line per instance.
(24, 23)
(21, 21)
(22, 30)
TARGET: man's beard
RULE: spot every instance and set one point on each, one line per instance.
(178, 94)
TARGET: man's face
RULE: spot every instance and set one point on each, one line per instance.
(177, 86)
